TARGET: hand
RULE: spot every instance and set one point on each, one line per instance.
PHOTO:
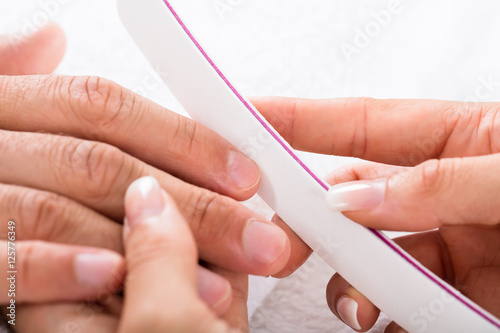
(453, 188)
(161, 293)
(70, 148)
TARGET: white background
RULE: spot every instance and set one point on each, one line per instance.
(429, 49)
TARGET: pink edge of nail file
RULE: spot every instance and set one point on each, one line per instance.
(407, 292)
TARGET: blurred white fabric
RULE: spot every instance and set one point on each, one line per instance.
(302, 48)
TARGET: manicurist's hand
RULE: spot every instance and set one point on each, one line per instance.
(161, 290)
(439, 176)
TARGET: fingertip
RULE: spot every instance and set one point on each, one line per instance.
(52, 32)
(37, 53)
(359, 195)
(244, 175)
(51, 43)
(144, 198)
(356, 310)
(299, 251)
(350, 306)
(214, 290)
(101, 271)
(266, 245)
(347, 309)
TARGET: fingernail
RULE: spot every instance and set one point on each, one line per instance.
(358, 195)
(212, 288)
(95, 269)
(347, 309)
(243, 171)
(263, 242)
(143, 199)
(400, 330)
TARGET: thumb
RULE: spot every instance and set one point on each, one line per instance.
(38, 53)
(162, 261)
(456, 191)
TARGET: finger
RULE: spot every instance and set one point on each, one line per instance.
(97, 175)
(44, 272)
(299, 251)
(357, 311)
(431, 195)
(401, 132)
(394, 328)
(476, 264)
(46, 216)
(366, 170)
(100, 110)
(237, 313)
(160, 293)
(65, 317)
(363, 171)
(214, 289)
(350, 306)
(38, 53)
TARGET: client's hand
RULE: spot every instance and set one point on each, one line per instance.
(70, 147)
(454, 188)
(162, 259)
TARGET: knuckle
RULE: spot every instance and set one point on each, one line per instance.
(144, 253)
(27, 260)
(207, 212)
(458, 111)
(40, 211)
(191, 130)
(99, 104)
(96, 168)
(160, 246)
(103, 164)
(452, 112)
(489, 126)
(435, 175)
(187, 134)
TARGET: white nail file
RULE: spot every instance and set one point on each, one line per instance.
(407, 292)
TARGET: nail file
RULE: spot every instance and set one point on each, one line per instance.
(406, 291)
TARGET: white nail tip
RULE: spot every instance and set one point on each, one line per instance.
(359, 195)
(348, 311)
(337, 197)
(146, 184)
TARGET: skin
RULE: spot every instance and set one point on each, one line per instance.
(160, 290)
(438, 162)
(91, 153)
(71, 146)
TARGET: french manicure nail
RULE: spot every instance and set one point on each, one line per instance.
(358, 195)
(347, 309)
(242, 170)
(143, 199)
(95, 269)
(263, 242)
